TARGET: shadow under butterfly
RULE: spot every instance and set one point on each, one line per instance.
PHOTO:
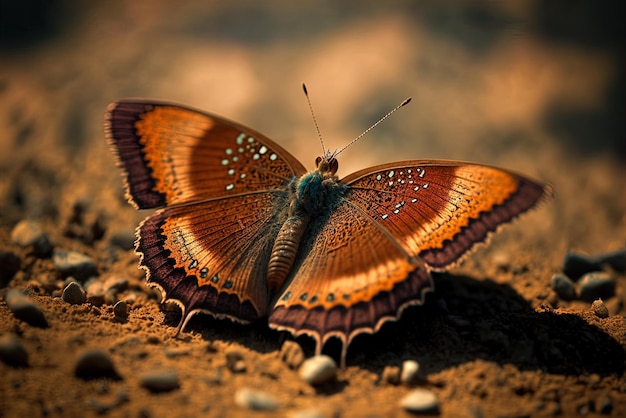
(245, 231)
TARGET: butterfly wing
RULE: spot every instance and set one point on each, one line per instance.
(438, 210)
(223, 188)
(370, 257)
(350, 277)
(172, 155)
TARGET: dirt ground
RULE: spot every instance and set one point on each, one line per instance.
(535, 87)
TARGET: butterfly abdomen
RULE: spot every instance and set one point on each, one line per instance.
(285, 249)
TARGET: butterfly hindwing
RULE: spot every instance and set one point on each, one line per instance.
(350, 278)
(438, 210)
(212, 256)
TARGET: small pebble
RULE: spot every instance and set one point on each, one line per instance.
(74, 294)
(123, 239)
(291, 354)
(410, 369)
(599, 309)
(563, 286)
(596, 285)
(391, 375)
(235, 362)
(615, 259)
(159, 381)
(318, 369)
(605, 405)
(72, 263)
(420, 401)
(25, 309)
(93, 364)
(255, 399)
(120, 310)
(29, 234)
(9, 265)
(96, 293)
(575, 265)
(12, 351)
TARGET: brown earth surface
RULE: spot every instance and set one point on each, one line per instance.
(529, 86)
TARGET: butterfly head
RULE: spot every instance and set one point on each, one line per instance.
(327, 164)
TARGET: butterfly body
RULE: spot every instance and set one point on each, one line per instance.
(244, 231)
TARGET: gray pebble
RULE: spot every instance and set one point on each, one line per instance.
(9, 265)
(12, 351)
(599, 309)
(95, 363)
(123, 239)
(410, 369)
(158, 381)
(74, 294)
(255, 399)
(563, 286)
(575, 265)
(420, 401)
(615, 259)
(29, 234)
(291, 354)
(391, 375)
(25, 309)
(596, 285)
(72, 263)
(318, 369)
(120, 310)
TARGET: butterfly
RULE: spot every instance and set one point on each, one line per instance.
(243, 231)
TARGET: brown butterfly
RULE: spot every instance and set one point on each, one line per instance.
(245, 231)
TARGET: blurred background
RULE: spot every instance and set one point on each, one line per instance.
(533, 86)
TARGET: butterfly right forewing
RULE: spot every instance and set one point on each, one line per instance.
(439, 210)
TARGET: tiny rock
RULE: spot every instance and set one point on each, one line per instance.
(596, 285)
(74, 294)
(563, 286)
(26, 309)
(410, 369)
(599, 309)
(95, 363)
(291, 354)
(120, 310)
(12, 351)
(72, 263)
(420, 401)
(29, 234)
(158, 381)
(575, 265)
(255, 399)
(318, 369)
(391, 375)
(614, 259)
(9, 265)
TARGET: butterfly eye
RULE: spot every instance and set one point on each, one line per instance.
(333, 164)
(317, 161)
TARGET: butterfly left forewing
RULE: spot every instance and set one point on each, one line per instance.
(172, 154)
(439, 210)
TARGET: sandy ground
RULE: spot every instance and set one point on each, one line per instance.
(537, 89)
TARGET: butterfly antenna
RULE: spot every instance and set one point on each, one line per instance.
(404, 103)
(317, 128)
